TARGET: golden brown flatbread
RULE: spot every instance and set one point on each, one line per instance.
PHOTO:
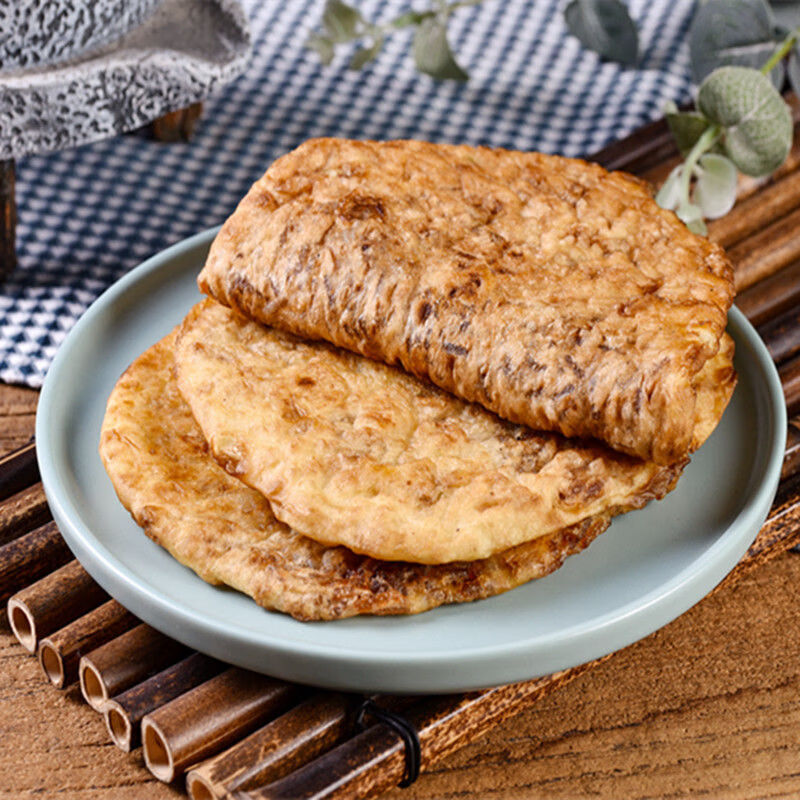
(547, 289)
(159, 464)
(353, 452)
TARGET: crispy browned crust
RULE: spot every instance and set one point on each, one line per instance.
(353, 452)
(549, 290)
(159, 464)
(714, 385)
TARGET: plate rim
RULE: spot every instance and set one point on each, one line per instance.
(151, 604)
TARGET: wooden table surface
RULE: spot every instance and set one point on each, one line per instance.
(708, 706)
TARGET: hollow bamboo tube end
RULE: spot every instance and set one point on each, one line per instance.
(52, 664)
(198, 789)
(22, 625)
(93, 687)
(119, 726)
(157, 753)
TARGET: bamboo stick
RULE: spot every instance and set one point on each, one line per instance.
(757, 211)
(782, 335)
(123, 662)
(653, 144)
(791, 457)
(286, 743)
(766, 252)
(772, 296)
(29, 557)
(8, 219)
(124, 712)
(22, 512)
(18, 470)
(60, 652)
(51, 603)
(209, 718)
(374, 760)
(790, 381)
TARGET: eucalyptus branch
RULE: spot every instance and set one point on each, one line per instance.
(343, 24)
(741, 124)
(783, 50)
(409, 18)
(708, 139)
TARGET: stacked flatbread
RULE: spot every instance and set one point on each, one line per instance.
(428, 374)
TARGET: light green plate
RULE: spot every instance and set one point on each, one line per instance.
(648, 568)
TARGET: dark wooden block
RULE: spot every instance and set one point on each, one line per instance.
(8, 220)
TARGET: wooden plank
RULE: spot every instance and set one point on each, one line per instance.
(8, 220)
(771, 297)
(766, 252)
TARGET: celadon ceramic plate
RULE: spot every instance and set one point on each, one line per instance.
(648, 568)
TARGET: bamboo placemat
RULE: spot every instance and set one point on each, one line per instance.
(235, 734)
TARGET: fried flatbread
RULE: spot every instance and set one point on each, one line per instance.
(159, 464)
(353, 452)
(552, 292)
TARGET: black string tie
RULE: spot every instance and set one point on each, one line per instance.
(404, 729)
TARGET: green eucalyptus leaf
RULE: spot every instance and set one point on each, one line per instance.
(733, 32)
(322, 45)
(692, 216)
(669, 195)
(715, 188)
(757, 122)
(689, 211)
(432, 53)
(341, 21)
(787, 14)
(410, 18)
(604, 26)
(364, 55)
(686, 127)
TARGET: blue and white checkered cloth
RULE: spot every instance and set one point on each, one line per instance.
(88, 215)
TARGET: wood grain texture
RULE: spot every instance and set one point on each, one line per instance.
(782, 335)
(791, 458)
(18, 470)
(766, 252)
(30, 557)
(790, 380)
(772, 296)
(293, 739)
(757, 211)
(17, 416)
(675, 715)
(23, 511)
